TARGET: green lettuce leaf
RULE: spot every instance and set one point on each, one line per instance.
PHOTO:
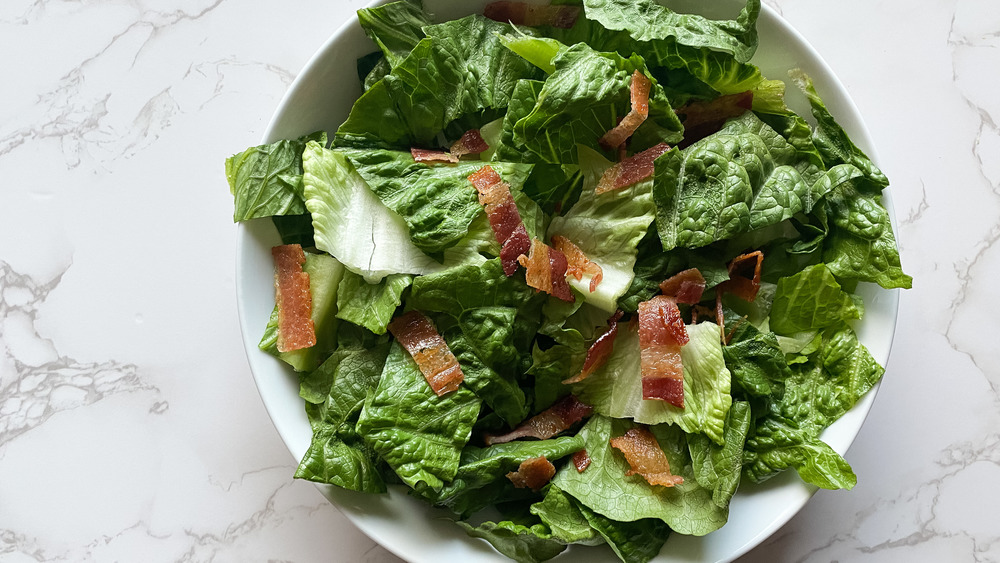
(525, 544)
(718, 467)
(370, 305)
(633, 542)
(325, 273)
(419, 434)
(267, 180)
(395, 27)
(755, 359)
(809, 300)
(565, 518)
(437, 202)
(460, 69)
(607, 228)
(604, 488)
(349, 463)
(615, 389)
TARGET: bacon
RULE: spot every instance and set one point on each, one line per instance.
(522, 13)
(294, 299)
(661, 335)
(581, 460)
(471, 142)
(546, 424)
(545, 270)
(577, 262)
(701, 119)
(645, 457)
(417, 334)
(744, 275)
(424, 155)
(533, 473)
(505, 219)
(685, 287)
(639, 94)
(631, 170)
(599, 351)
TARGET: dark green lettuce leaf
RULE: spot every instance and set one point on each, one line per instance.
(523, 99)
(755, 359)
(461, 68)
(395, 27)
(348, 463)
(809, 300)
(633, 542)
(267, 180)
(419, 434)
(525, 544)
(604, 488)
(565, 518)
(718, 467)
(295, 229)
(370, 305)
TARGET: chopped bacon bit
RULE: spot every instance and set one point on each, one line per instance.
(701, 119)
(661, 335)
(639, 93)
(685, 287)
(632, 170)
(546, 424)
(645, 457)
(744, 275)
(533, 473)
(581, 460)
(294, 299)
(505, 219)
(545, 270)
(578, 263)
(522, 13)
(424, 155)
(471, 142)
(431, 353)
(599, 351)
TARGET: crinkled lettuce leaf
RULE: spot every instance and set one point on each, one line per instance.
(615, 389)
(810, 300)
(395, 27)
(565, 518)
(370, 305)
(718, 466)
(346, 462)
(637, 541)
(266, 180)
(525, 544)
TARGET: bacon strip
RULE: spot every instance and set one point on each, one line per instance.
(424, 155)
(701, 119)
(294, 299)
(581, 460)
(685, 287)
(639, 94)
(546, 424)
(522, 13)
(471, 142)
(577, 262)
(533, 473)
(545, 270)
(505, 219)
(599, 351)
(661, 335)
(418, 335)
(631, 170)
(645, 457)
(744, 275)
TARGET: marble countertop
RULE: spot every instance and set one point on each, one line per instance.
(130, 428)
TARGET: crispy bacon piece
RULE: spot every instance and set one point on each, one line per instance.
(505, 219)
(545, 270)
(418, 335)
(661, 335)
(701, 119)
(577, 262)
(546, 424)
(471, 142)
(294, 299)
(424, 155)
(631, 170)
(685, 287)
(522, 13)
(639, 93)
(533, 473)
(645, 457)
(581, 460)
(744, 275)
(599, 351)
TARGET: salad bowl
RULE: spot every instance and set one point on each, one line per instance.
(320, 99)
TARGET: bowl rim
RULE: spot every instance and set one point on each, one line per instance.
(833, 89)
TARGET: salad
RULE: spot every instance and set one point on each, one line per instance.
(571, 273)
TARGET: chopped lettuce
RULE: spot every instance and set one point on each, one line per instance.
(267, 180)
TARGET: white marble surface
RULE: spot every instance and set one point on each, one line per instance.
(130, 428)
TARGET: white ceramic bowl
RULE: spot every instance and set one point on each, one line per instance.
(320, 98)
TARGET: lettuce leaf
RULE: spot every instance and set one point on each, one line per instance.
(419, 434)
(347, 463)
(637, 541)
(370, 305)
(565, 518)
(718, 467)
(615, 389)
(267, 180)
(525, 544)
(810, 300)
(395, 27)
(687, 508)
(607, 228)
